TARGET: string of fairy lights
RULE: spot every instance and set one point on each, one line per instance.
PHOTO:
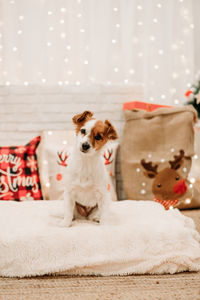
(64, 52)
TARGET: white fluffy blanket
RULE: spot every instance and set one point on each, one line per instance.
(141, 237)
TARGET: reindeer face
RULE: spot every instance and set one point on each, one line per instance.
(168, 183)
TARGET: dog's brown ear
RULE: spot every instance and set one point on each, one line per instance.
(81, 118)
(110, 131)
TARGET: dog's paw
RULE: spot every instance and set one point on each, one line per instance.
(65, 223)
(96, 219)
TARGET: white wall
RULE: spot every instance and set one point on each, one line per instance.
(26, 111)
(196, 35)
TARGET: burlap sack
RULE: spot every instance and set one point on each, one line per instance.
(157, 138)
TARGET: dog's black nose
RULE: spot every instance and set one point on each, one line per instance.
(85, 146)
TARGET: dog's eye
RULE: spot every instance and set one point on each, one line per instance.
(83, 131)
(177, 178)
(159, 185)
(98, 137)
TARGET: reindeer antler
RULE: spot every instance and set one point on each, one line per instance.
(62, 158)
(151, 170)
(108, 157)
(178, 159)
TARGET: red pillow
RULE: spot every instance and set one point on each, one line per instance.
(19, 177)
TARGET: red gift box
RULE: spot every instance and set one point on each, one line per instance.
(138, 105)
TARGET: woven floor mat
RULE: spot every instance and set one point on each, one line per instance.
(183, 286)
(179, 286)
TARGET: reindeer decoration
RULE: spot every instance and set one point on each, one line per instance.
(62, 158)
(168, 184)
(107, 157)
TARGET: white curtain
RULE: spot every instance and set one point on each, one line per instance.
(94, 42)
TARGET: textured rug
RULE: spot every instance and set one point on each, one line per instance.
(184, 286)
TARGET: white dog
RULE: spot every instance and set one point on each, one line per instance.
(86, 193)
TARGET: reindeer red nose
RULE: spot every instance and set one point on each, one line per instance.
(180, 187)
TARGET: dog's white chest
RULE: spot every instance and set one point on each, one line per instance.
(86, 180)
(85, 187)
(88, 196)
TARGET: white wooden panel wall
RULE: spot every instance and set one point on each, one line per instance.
(26, 111)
